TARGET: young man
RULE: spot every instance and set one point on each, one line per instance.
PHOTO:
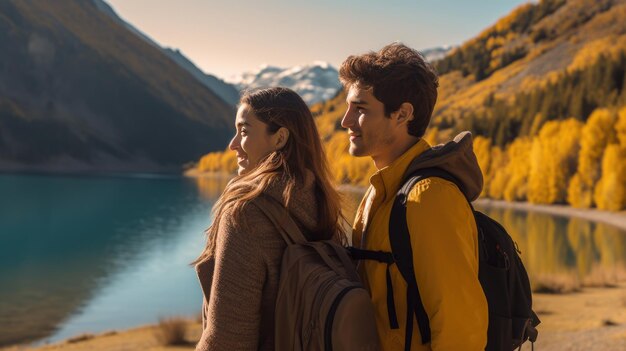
(391, 95)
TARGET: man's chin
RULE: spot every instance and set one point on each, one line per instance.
(357, 151)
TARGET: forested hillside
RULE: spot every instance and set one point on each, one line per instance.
(543, 91)
(79, 91)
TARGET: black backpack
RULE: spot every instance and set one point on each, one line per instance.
(501, 273)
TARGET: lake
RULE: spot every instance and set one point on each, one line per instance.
(88, 254)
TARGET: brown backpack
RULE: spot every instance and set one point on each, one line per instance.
(321, 303)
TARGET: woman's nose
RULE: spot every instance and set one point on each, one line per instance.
(234, 143)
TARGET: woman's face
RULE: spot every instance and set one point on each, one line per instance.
(252, 140)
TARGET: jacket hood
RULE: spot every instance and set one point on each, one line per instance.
(457, 158)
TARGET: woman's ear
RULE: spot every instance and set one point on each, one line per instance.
(280, 138)
(405, 112)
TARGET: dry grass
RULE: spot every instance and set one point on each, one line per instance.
(80, 338)
(544, 312)
(110, 333)
(602, 277)
(556, 284)
(172, 331)
(598, 277)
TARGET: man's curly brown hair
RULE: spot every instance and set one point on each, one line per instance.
(396, 74)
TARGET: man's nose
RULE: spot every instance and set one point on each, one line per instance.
(347, 119)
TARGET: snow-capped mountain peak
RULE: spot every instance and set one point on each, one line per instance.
(315, 82)
(436, 53)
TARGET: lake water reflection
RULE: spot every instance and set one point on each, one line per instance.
(569, 251)
(90, 254)
(559, 252)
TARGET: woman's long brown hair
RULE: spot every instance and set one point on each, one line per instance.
(282, 107)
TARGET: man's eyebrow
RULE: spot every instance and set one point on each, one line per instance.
(357, 102)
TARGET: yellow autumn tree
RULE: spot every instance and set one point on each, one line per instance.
(552, 161)
(347, 168)
(219, 162)
(482, 149)
(610, 192)
(496, 180)
(620, 127)
(228, 161)
(597, 133)
(209, 162)
(508, 177)
(517, 170)
(336, 147)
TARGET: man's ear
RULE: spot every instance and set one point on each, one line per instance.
(404, 113)
(280, 138)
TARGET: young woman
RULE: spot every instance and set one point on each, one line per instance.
(280, 155)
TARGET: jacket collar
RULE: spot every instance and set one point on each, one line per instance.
(387, 180)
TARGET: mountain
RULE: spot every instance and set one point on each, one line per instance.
(543, 91)
(224, 90)
(514, 61)
(315, 82)
(437, 53)
(80, 91)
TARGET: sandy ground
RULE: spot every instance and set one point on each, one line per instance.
(145, 338)
(590, 320)
(594, 319)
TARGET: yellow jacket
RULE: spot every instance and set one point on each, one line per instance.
(445, 249)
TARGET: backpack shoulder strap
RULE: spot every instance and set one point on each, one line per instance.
(281, 219)
(284, 223)
(400, 241)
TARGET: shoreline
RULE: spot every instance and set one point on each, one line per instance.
(193, 173)
(616, 219)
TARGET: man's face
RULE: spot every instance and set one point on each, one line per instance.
(370, 131)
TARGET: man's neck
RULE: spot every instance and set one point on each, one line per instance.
(383, 160)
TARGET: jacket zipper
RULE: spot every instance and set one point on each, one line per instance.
(328, 327)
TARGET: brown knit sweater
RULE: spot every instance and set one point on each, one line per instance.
(240, 282)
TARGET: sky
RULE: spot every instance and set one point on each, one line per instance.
(228, 37)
